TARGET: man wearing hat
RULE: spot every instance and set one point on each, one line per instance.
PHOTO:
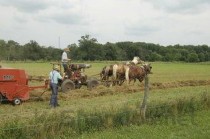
(65, 59)
(54, 77)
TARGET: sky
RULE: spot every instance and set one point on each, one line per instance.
(59, 23)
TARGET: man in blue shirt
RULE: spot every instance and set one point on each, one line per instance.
(54, 77)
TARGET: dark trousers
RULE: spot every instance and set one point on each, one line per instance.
(65, 67)
(54, 95)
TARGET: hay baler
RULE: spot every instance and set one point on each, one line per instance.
(14, 85)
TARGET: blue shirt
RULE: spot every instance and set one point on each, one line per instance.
(54, 76)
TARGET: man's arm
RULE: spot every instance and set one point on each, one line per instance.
(59, 76)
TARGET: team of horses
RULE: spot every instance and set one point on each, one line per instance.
(126, 71)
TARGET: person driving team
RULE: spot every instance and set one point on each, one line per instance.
(65, 59)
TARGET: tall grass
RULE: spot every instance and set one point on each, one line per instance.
(183, 129)
(67, 123)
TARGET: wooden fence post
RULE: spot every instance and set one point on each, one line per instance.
(143, 106)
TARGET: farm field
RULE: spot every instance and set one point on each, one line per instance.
(163, 71)
(170, 83)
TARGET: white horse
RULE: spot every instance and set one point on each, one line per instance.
(136, 60)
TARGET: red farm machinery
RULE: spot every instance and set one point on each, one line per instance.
(75, 77)
(14, 85)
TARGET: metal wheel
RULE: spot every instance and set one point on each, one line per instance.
(67, 85)
(92, 84)
(16, 101)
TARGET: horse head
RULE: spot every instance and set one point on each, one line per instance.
(147, 68)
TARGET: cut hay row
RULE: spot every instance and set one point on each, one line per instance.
(103, 90)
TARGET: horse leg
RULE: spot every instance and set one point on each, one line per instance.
(134, 81)
(127, 75)
(114, 74)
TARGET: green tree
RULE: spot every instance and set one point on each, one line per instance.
(184, 54)
(32, 51)
(192, 57)
(155, 57)
(73, 51)
(14, 51)
(89, 49)
(110, 51)
(201, 57)
(3, 50)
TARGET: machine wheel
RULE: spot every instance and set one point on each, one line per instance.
(16, 101)
(67, 85)
(1, 99)
(92, 84)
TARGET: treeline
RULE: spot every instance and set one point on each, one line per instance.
(89, 49)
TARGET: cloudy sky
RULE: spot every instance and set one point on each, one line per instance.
(164, 22)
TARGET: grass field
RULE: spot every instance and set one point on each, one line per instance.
(183, 128)
(162, 72)
(170, 83)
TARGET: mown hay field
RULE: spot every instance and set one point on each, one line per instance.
(170, 84)
(178, 76)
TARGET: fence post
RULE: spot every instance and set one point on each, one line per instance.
(144, 103)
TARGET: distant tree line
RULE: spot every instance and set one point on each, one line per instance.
(89, 49)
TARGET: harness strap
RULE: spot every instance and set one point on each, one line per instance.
(52, 78)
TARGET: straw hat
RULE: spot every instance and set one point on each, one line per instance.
(66, 49)
(56, 67)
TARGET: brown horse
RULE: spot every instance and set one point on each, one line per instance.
(106, 72)
(136, 72)
(119, 70)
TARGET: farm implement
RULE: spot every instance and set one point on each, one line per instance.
(75, 77)
(14, 85)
